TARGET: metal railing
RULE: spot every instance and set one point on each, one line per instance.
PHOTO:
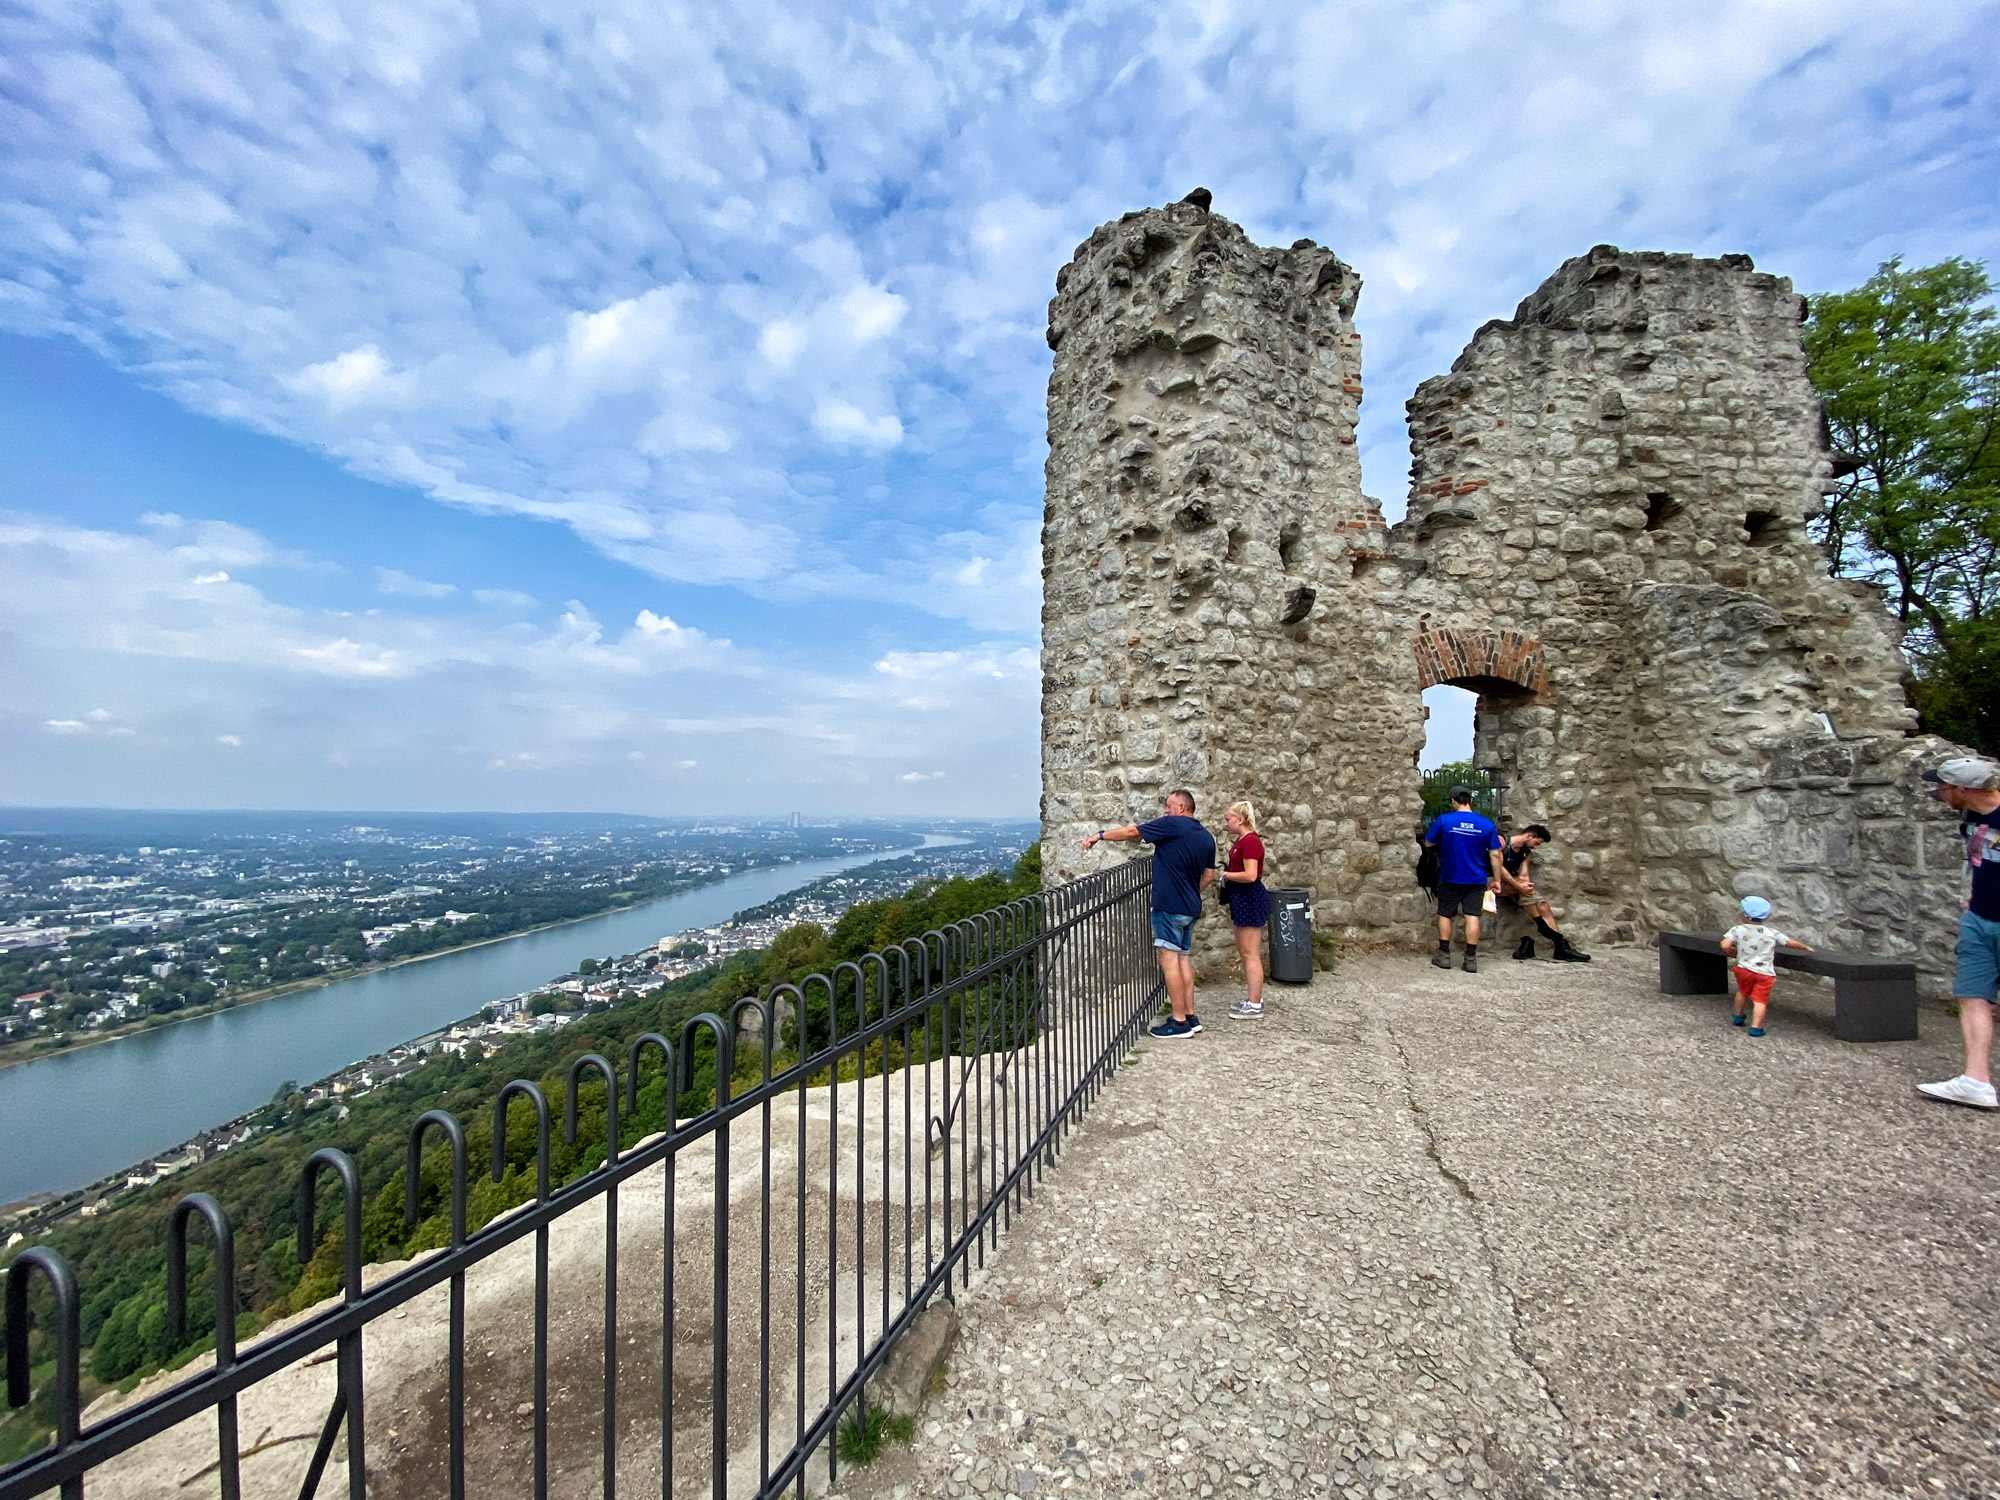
(941, 1076)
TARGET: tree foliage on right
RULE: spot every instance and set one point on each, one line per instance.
(1908, 368)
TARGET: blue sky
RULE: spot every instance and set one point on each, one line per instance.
(412, 405)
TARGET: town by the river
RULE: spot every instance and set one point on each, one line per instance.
(72, 1118)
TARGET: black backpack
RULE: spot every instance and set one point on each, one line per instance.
(1427, 869)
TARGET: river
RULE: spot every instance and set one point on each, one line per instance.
(67, 1120)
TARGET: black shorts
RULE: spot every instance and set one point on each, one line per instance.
(1454, 900)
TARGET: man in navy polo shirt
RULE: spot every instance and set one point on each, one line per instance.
(1468, 847)
(1183, 865)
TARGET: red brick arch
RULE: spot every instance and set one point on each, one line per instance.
(1487, 661)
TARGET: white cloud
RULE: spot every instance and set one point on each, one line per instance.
(652, 624)
(782, 342)
(360, 377)
(845, 423)
(401, 707)
(921, 776)
(395, 581)
(872, 313)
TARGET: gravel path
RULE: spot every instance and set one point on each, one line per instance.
(1537, 1231)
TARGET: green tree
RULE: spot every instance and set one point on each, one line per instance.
(1437, 787)
(1908, 368)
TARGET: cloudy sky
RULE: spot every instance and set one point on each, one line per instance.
(433, 405)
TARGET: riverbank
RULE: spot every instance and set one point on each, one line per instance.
(14, 1054)
(163, 1087)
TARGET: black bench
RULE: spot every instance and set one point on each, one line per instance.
(1874, 999)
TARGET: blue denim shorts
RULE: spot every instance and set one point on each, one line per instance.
(1978, 958)
(1173, 931)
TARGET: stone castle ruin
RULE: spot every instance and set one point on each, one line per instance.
(1605, 540)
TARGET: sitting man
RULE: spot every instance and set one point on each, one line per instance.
(1517, 884)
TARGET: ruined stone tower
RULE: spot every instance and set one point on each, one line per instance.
(1619, 477)
(1204, 518)
(1605, 540)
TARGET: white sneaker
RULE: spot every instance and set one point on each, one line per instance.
(1243, 1010)
(1962, 1090)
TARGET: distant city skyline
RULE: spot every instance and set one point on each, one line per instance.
(424, 407)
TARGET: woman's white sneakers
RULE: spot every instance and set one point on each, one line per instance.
(1961, 1090)
(1243, 1010)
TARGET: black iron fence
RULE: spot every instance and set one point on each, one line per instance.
(774, 1248)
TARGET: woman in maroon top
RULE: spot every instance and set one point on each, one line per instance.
(1249, 903)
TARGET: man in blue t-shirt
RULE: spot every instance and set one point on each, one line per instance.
(1970, 787)
(1468, 847)
(1183, 865)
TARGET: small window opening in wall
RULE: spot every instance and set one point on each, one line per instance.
(1660, 509)
(1764, 526)
(1288, 544)
(1233, 545)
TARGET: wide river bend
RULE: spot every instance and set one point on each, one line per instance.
(67, 1120)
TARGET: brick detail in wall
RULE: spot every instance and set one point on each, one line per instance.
(1446, 655)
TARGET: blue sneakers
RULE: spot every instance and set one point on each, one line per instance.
(1172, 1030)
(1736, 1020)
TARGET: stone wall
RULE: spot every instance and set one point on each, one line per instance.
(1605, 540)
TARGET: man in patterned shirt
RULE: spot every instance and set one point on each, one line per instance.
(1971, 788)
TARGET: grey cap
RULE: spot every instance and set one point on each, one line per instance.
(1461, 793)
(1966, 773)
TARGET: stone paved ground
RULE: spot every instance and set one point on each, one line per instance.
(1538, 1231)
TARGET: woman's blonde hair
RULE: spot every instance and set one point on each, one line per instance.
(1247, 813)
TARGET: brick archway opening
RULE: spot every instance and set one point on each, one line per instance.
(1491, 663)
(1507, 672)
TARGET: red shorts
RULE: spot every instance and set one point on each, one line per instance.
(1753, 988)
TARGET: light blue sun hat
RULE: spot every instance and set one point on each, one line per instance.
(1756, 908)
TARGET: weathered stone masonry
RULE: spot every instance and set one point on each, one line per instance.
(1604, 540)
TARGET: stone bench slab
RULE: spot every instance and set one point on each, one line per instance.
(1874, 999)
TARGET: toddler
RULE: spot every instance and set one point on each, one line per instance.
(1755, 949)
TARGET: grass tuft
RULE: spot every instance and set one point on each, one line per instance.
(865, 1429)
(1326, 952)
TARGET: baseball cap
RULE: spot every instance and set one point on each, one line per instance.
(1461, 793)
(1756, 908)
(1967, 773)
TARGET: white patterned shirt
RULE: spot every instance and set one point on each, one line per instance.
(1756, 946)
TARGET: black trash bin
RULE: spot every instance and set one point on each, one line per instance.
(1291, 936)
